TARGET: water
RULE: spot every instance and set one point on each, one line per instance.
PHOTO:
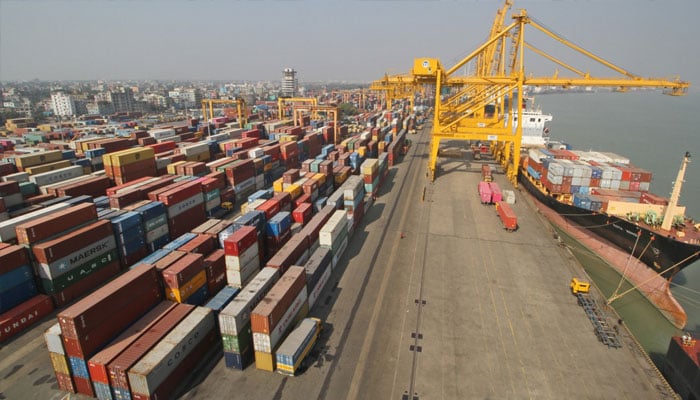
(654, 131)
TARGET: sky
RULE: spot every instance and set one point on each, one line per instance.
(333, 40)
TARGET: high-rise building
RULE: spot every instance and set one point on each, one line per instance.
(62, 104)
(123, 100)
(289, 82)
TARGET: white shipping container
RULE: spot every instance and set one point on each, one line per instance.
(241, 278)
(13, 199)
(52, 336)
(249, 255)
(333, 228)
(236, 315)
(555, 168)
(509, 196)
(352, 187)
(156, 233)
(213, 203)
(187, 204)
(7, 228)
(256, 153)
(161, 133)
(59, 175)
(193, 149)
(264, 342)
(555, 178)
(16, 177)
(166, 356)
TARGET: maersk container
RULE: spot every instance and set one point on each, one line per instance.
(297, 346)
(237, 313)
(155, 367)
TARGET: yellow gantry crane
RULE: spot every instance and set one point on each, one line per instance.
(208, 104)
(489, 101)
(397, 87)
(282, 101)
(315, 109)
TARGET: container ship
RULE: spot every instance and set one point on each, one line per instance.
(609, 197)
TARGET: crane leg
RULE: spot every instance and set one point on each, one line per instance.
(432, 161)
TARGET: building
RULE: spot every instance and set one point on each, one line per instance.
(123, 100)
(289, 83)
(62, 104)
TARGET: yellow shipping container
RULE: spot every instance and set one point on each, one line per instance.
(320, 178)
(287, 138)
(45, 127)
(199, 157)
(181, 294)
(267, 167)
(41, 168)
(172, 168)
(129, 156)
(87, 170)
(294, 190)
(265, 361)
(60, 363)
(380, 147)
(341, 178)
(370, 166)
(222, 145)
(362, 151)
(42, 157)
(277, 186)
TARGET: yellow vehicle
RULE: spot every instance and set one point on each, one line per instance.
(578, 286)
(227, 205)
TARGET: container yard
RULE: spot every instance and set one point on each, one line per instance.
(345, 268)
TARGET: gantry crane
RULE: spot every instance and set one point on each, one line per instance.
(501, 78)
(333, 110)
(208, 104)
(396, 87)
(293, 100)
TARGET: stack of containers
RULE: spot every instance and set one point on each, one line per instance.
(283, 306)
(131, 237)
(159, 373)
(118, 368)
(185, 207)
(334, 235)
(185, 280)
(255, 219)
(278, 231)
(59, 359)
(383, 167)
(211, 189)
(353, 200)
(215, 267)
(128, 165)
(74, 263)
(303, 213)
(155, 224)
(318, 272)
(90, 323)
(97, 365)
(241, 175)
(20, 304)
(59, 175)
(10, 195)
(242, 256)
(234, 319)
(370, 175)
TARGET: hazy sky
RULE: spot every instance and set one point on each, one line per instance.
(324, 40)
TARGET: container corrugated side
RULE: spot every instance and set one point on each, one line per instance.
(237, 313)
(52, 337)
(163, 359)
(268, 313)
(266, 342)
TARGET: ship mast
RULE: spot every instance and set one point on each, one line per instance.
(675, 194)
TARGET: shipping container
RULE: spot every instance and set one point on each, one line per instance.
(236, 315)
(297, 346)
(268, 313)
(507, 216)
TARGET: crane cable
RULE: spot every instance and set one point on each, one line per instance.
(636, 287)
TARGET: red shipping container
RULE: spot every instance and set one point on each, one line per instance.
(220, 180)
(290, 176)
(133, 258)
(508, 217)
(180, 193)
(108, 301)
(8, 188)
(273, 151)
(240, 240)
(86, 285)
(275, 243)
(228, 194)
(270, 207)
(184, 269)
(154, 193)
(12, 257)
(83, 386)
(289, 254)
(303, 213)
(18, 319)
(2, 205)
(202, 244)
(119, 367)
(55, 249)
(97, 365)
(284, 199)
(116, 189)
(215, 267)
(50, 225)
(267, 314)
(65, 382)
(187, 220)
(304, 198)
(253, 133)
(169, 260)
(163, 146)
(144, 167)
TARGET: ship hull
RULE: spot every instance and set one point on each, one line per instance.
(663, 254)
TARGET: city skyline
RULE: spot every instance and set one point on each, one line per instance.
(323, 41)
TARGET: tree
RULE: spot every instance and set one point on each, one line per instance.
(347, 109)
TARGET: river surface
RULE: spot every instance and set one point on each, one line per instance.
(654, 131)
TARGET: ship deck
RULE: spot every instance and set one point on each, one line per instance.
(433, 299)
